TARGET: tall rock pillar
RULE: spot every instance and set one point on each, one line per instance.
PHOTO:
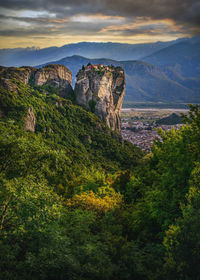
(101, 89)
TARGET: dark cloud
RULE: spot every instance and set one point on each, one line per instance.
(181, 11)
(63, 17)
(18, 33)
(47, 26)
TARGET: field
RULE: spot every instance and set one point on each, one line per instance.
(148, 114)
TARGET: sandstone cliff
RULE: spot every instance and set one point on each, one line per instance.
(101, 89)
(98, 88)
(56, 75)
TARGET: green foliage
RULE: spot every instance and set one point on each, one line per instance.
(77, 203)
(170, 120)
(41, 240)
(92, 103)
(64, 126)
(182, 240)
(103, 201)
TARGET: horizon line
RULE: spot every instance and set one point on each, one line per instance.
(96, 42)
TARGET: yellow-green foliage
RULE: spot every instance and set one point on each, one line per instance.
(105, 200)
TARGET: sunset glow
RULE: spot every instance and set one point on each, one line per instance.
(55, 23)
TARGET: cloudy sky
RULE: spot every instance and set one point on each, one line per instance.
(43, 23)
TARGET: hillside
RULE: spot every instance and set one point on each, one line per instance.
(77, 202)
(144, 82)
(61, 123)
(170, 120)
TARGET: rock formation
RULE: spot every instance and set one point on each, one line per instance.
(30, 120)
(101, 89)
(56, 75)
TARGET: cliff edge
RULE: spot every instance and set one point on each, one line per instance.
(101, 89)
(59, 76)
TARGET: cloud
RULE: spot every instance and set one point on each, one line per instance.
(144, 26)
(106, 19)
(180, 10)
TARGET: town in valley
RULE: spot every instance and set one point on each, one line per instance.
(140, 126)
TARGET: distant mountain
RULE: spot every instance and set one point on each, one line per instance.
(182, 57)
(75, 62)
(144, 81)
(164, 72)
(117, 51)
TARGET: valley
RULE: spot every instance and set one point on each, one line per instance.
(140, 125)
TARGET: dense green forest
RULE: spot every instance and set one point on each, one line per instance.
(78, 203)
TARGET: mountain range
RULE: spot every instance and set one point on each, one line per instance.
(145, 82)
(157, 72)
(183, 57)
(116, 51)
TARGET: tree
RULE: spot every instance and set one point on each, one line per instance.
(182, 240)
(105, 200)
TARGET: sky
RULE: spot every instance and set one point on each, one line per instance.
(45, 23)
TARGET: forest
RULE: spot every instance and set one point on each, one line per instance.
(77, 202)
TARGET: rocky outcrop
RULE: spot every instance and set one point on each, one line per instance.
(22, 74)
(101, 90)
(30, 120)
(56, 75)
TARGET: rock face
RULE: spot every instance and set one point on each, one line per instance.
(101, 89)
(30, 120)
(23, 74)
(56, 75)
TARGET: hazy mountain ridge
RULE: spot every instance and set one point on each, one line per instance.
(117, 51)
(158, 72)
(183, 57)
(145, 82)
